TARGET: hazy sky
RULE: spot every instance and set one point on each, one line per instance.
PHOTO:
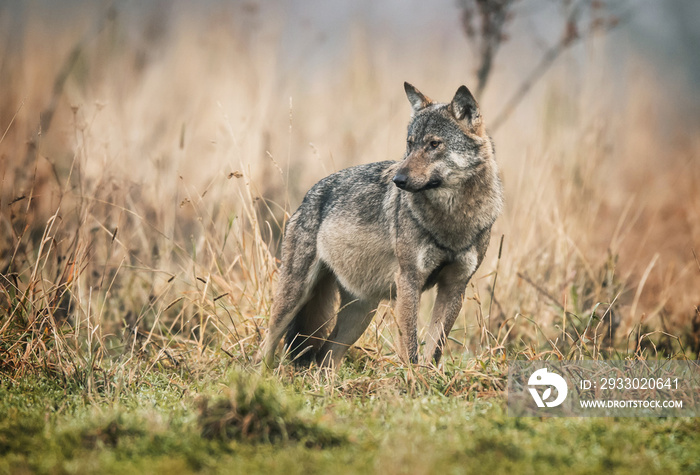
(313, 33)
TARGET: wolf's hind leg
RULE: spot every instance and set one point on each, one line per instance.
(353, 319)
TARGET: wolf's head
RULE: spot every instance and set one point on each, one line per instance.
(446, 143)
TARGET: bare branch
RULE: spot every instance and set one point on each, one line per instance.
(570, 36)
(484, 23)
(492, 16)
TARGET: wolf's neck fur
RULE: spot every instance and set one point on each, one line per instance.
(457, 216)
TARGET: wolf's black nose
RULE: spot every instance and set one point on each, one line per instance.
(401, 180)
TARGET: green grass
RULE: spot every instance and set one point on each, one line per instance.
(163, 424)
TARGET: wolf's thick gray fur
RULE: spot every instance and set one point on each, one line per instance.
(390, 230)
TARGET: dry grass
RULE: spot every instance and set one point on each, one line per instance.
(140, 226)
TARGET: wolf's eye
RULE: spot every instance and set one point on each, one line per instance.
(434, 143)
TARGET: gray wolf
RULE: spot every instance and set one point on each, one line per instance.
(389, 231)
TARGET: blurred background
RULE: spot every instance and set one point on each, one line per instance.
(150, 153)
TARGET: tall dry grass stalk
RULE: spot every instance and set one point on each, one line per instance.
(144, 225)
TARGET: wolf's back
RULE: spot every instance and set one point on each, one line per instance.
(358, 190)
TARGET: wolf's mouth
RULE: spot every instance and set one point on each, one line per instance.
(401, 181)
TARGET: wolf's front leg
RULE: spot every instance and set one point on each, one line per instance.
(408, 290)
(451, 285)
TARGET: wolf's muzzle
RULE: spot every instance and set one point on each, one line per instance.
(401, 181)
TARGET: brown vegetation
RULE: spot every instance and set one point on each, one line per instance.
(143, 194)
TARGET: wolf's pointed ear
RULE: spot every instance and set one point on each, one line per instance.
(464, 106)
(416, 98)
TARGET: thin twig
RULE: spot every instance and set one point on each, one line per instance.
(59, 82)
(541, 290)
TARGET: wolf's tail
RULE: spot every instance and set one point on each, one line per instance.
(310, 326)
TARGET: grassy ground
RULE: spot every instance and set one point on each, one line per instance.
(148, 163)
(226, 420)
